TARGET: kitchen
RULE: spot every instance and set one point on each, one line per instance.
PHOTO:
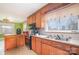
(47, 29)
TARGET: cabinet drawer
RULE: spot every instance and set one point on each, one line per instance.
(61, 45)
(45, 41)
(74, 50)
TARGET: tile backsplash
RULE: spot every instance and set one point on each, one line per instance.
(74, 36)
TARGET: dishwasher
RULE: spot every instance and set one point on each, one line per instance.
(1, 46)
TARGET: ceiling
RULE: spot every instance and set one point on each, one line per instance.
(19, 10)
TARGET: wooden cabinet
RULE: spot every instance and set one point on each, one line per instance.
(33, 18)
(58, 51)
(46, 49)
(10, 42)
(38, 19)
(34, 43)
(38, 45)
(50, 47)
(29, 20)
(61, 45)
(52, 6)
(37, 16)
(20, 40)
(74, 50)
(13, 41)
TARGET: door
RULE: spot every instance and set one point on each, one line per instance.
(33, 43)
(57, 51)
(38, 45)
(29, 20)
(38, 19)
(46, 49)
(20, 40)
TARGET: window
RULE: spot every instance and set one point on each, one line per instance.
(8, 28)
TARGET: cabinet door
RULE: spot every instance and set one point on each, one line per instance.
(20, 40)
(57, 51)
(74, 50)
(29, 20)
(38, 20)
(34, 18)
(10, 42)
(46, 49)
(38, 45)
(33, 44)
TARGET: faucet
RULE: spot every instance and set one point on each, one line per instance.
(67, 39)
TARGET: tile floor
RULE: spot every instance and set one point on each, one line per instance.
(20, 51)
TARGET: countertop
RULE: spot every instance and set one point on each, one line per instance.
(71, 42)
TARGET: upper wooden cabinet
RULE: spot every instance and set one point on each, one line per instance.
(52, 6)
(29, 20)
(38, 19)
(34, 18)
(37, 16)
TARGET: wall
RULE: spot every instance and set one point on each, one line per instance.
(1, 35)
(19, 25)
(12, 18)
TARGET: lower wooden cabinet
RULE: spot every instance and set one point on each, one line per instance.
(74, 50)
(13, 41)
(38, 46)
(10, 42)
(49, 50)
(46, 49)
(20, 40)
(34, 43)
(58, 51)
